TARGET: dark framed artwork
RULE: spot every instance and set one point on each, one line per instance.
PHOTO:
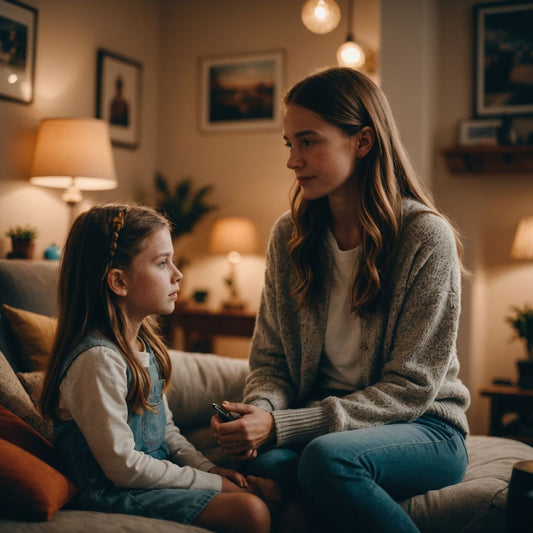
(480, 132)
(18, 37)
(241, 92)
(118, 97)
(503, 59)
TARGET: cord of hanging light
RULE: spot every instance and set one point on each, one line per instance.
(350, 54)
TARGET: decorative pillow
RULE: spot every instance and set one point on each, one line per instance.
(32, 383)
(16, 399)
(35, 334)
(20, 433)
(30, 488)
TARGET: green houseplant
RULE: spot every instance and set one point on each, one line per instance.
(22, 241)
(183, 206)
(521, 321)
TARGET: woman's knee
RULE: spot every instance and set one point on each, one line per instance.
(317, 463)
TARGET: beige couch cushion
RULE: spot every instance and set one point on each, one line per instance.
(200, 379)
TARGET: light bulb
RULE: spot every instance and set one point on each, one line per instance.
(321, 16)
(350, 54)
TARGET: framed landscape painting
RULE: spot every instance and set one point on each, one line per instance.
(18, 32)
(118, 97)
(503, 59)
(241, 92)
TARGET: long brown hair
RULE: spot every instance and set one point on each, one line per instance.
(350, 101)
(86, 304)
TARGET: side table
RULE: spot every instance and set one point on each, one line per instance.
(507, 399)
(201, 325)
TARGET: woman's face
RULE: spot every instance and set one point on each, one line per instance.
(322, 156)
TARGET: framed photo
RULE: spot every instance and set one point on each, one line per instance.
(479, 132)
(241, 92)
(18, 35)
(503, 66)
(118, 97)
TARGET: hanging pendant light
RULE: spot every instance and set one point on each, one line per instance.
(350, 54)
(321, 16)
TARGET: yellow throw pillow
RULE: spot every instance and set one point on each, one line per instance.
(35, 332)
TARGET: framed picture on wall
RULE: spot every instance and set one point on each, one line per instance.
(18, 33)
(503, 59)
(118, 97)
(481, 132)
(239, 93)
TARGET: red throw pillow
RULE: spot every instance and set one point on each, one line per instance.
(30, 488)
(31, 485)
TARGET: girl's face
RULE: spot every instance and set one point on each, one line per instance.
(151, 284)
(322, 156)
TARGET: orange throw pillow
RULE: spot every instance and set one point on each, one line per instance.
(29, 488)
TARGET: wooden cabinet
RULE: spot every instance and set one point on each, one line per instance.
(490, 159)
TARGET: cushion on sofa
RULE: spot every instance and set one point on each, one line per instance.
(200, 379)
(16, 399)
(30, 488)
(35, 334)
(477, 504)
(30, 285)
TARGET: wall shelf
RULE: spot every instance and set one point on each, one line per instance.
(489, 159)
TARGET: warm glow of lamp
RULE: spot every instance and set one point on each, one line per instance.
(321, 16)
(350, 53)
(523, 241)
(233, 236)
(74, 154)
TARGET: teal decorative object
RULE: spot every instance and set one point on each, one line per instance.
(52, 252)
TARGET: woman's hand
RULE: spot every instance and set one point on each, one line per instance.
(232, 475)
(241, 438)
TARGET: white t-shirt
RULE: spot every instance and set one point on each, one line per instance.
(340, 363)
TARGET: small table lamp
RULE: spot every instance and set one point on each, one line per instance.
(233, 236)
(523, 241)
(74, 154)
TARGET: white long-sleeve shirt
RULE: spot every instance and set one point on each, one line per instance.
(93, 394)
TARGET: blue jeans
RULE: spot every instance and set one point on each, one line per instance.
(355, 479)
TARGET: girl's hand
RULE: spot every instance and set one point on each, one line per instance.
(232, 475)
(241, 438)
(268, 490)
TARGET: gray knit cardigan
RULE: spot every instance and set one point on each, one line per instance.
(408, 349)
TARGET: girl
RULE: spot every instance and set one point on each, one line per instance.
(105, 385)
(354, 389)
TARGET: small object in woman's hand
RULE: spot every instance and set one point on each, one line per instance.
(225, 416)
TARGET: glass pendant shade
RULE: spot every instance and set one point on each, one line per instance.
(321, 16)
(350, 54)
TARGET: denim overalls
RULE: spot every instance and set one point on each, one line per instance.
(96, 492)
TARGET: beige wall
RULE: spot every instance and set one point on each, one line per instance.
(68, 35)
(425, 61)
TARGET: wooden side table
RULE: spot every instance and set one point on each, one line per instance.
(510, 399)
(200, 326)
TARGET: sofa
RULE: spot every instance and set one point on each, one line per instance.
(27, 306)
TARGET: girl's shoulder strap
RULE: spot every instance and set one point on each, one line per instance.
(91, 340)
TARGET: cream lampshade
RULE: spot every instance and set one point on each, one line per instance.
(233, 236)
(523, 241)
(74, 154)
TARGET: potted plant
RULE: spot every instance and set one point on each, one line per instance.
(183, 206)
(22, 241)
(521, 321)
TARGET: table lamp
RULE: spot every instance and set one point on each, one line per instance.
(74, 154)
(522, 247)
(233, 236)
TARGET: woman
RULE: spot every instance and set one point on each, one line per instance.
(354, 388)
